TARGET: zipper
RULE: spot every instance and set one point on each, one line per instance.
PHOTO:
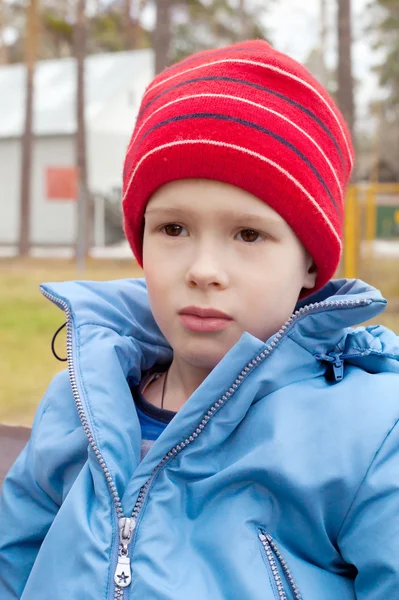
(338, 366)
(123, 547)
(337, 359)
(122, 574)
(278, 565)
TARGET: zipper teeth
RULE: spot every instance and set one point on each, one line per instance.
(119, 592)
(273, 566)
(80, 408)
(273, 552)
(118, 595)
(285, 568)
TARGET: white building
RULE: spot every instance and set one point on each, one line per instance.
(115, 83)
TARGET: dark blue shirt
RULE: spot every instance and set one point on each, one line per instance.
(153, 420)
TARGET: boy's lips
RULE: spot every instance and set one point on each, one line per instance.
(204, 312)
(204, 319)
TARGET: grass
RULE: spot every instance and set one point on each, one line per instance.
(28, 322)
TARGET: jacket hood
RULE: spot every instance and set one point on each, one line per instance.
(123, 306)
(112, 336)
(333, 330)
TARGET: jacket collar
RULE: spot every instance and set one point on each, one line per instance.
(123, 306)
(114, 335)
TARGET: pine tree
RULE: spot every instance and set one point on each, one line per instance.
(32, 13)
(387, 33)
(200, 24)
(385, 27)
(3, 47)
(345, 93)
(84, 225)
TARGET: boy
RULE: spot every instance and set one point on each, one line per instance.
(259, 456)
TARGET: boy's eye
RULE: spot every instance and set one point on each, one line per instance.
(173, 230)
(249, 235)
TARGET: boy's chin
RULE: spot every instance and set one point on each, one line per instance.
(206, 353)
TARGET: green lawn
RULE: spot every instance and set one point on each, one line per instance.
(28, 322)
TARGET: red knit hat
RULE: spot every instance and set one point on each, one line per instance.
(252, 117)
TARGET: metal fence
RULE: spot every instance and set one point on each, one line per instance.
(371, 213)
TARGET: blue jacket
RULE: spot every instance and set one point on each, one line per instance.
(278, 479)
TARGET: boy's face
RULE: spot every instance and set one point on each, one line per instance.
(209, 244)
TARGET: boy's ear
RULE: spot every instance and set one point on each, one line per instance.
(310, 275)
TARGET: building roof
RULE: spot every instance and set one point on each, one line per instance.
(55, 90)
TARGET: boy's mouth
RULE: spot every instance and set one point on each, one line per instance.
(204, 319)
(204, 312)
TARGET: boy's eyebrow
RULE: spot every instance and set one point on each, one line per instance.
(238, 216)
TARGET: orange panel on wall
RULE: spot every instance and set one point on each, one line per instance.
(61, 183)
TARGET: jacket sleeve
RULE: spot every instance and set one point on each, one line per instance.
(36, 485)
(369, 537)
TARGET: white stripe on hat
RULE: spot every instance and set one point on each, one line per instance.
(245, 151)
(239, 99)
(265, 66)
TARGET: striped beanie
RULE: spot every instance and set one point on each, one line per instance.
(252, 117)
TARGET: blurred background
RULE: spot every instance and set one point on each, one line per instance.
(72, 73)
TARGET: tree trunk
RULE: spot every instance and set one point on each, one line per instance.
(32, 17)
(128, 24)
(83, 204)
(243, 33)
(323, 41)
(136, 32)
(162, 35)
(345, 77)
(3, 47)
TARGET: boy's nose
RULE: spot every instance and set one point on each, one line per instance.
(206, 270)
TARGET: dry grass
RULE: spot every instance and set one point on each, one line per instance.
(28, 322)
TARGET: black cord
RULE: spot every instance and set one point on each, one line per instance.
(53, 344)
(163, 387)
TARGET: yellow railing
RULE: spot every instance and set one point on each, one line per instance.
(360, 227)
(351, 233)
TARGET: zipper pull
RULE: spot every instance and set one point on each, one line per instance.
(338, 367)
(123, 573)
